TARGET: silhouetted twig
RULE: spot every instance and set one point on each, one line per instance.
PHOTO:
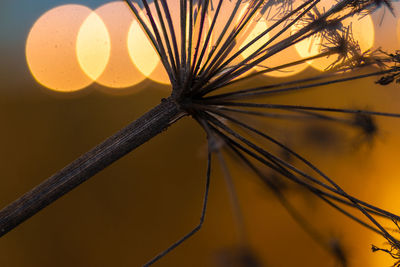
(207, 77)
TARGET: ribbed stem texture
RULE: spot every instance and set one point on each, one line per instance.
(80, 170)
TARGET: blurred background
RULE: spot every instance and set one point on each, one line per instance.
(54, 106)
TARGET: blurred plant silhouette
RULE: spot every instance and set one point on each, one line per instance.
(213, 58)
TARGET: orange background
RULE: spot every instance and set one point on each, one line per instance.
(141, 204)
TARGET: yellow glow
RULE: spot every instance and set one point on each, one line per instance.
(50, 49)
(93, 46)
(257, 30)
(174, 10)
(285, 56)
(159, 74)
(120, 71)
(112, 49)
(141, 51)
(242, 11)
(362, 29)
(364, 37)
(288, 55)
(148, 61)
(308, 47)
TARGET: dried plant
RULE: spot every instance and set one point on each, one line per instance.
(212, 65)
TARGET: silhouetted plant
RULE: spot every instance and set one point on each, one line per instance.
(212, 81)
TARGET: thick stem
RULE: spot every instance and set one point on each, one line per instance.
(135, 134)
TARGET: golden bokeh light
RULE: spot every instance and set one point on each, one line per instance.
(277, 60)
(141, 50)
(109, 46)
(159, 74)
(315, 45)
(93, 46)
(363, 30)
(120, 71)
(257, 30)
(286, 56)
(52, 61)
(308, 47)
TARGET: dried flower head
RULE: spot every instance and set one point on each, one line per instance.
(212, 54)
(211, 72)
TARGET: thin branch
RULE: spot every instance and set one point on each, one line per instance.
(265, 90)
(299, 107)
(86, 166)
(286, 165)
(286, 173)
(198, 227)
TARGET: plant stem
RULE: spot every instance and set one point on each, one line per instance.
(135, 134)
